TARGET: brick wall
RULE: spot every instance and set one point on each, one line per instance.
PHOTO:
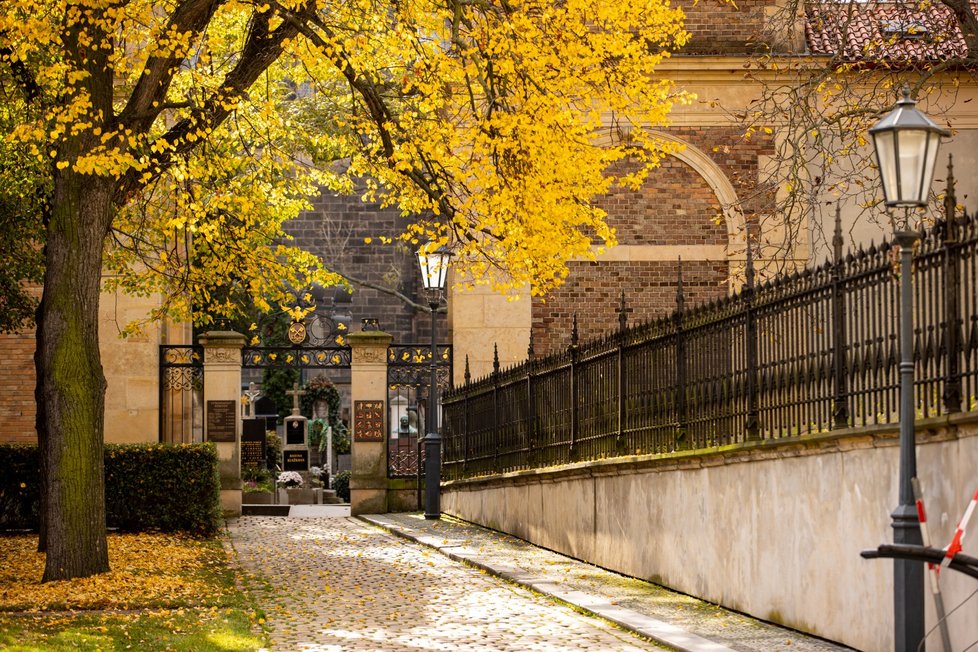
(737, 159)
(17, 393)
(723, 27)
(674, 207)
(592, 291)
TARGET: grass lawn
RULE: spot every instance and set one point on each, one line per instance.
(164, 592)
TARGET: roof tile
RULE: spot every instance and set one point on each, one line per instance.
(883, 31)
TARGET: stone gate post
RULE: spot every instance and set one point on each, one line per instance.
(368, 388)
(222, 410)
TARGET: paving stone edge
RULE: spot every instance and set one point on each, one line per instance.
(641, 624)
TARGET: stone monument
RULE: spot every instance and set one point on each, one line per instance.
(295, 450)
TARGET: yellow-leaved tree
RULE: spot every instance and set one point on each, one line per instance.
(178, 135)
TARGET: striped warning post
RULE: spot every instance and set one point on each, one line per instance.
(935, 569)
(954, 547)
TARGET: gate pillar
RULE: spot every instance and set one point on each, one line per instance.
(222, 410)
(368, 389)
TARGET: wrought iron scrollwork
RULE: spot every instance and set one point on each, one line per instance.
(410, 365)
(285, 357)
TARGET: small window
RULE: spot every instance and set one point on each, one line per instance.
(907, 30)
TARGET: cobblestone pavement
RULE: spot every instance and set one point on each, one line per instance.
(642, 606)
(330, 584)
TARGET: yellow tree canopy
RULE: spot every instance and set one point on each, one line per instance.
(486, 122)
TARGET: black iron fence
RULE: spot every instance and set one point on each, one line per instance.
(811, 352)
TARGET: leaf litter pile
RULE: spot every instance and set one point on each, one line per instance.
(147, 571)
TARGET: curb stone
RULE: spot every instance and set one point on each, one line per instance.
(652, 628)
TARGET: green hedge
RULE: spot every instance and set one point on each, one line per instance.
(20, 487)
(147, 487)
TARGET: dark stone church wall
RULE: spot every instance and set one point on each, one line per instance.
(336, 229)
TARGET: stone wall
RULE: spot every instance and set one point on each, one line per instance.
(772, 529)
(131, 368)
(338, 229)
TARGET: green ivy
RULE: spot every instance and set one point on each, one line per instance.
(321, 388)
(147, 487)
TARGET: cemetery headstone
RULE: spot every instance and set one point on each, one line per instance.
(253, 443)
(295, 460)
(295, 449)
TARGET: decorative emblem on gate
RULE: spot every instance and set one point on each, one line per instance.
(297, 332)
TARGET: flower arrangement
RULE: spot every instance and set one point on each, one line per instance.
(290, 479)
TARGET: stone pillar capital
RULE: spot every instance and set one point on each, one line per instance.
(369, 347)
(222, 347)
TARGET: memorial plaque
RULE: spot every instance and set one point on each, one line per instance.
(295, 460)
(221, 420)
(368, 421)
(295, 432)
(253, 443)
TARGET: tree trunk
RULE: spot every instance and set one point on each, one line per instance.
(73, 384)
(40, 427)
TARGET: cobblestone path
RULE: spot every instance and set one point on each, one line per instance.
(330, 584)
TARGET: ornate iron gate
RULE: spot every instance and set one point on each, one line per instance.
(181, 401)
(408, 380)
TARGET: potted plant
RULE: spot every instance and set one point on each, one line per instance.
(257, 487)
(292, 482)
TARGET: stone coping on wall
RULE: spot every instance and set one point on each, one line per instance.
(960, 425)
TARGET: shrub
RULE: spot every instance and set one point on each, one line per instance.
(341, 484)
(20, 487)
(147, 487)
(257, 480)
(163, 487)
(273, 450)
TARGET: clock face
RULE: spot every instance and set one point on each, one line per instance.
(297, 332)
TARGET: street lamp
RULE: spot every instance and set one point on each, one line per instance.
(434, 273)
(906, 143)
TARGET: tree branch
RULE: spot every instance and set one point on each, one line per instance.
(23, 75)
(423, 307)
(146, 101)
(261, 49)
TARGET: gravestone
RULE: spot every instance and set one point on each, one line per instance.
(265, 407)
(253, 443)
(295, 460)
(295, 431)
(295, 451)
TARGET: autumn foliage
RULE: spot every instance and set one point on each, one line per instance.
(177, 137)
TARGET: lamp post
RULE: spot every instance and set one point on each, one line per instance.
(434, 273)
(906, 143)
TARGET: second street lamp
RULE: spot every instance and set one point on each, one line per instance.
(434, 274)
(906, 143)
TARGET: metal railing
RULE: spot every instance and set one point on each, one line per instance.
(811, 352)
(181, 394)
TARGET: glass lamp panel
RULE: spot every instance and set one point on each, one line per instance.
(434, 269)
(933, 144)
(912, 145)
(886, 159)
